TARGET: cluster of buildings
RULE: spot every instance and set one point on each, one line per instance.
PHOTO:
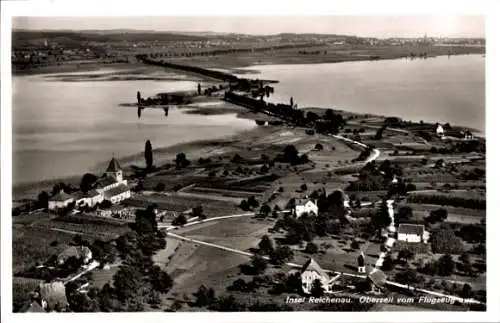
(50, 296)
(112, 187)
(312, 271)
(452, 134)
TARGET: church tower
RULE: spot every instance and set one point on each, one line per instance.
(114, 170)
(361, 263)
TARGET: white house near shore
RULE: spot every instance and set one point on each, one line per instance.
(111, 187)
(439, 130)
(305, 206)
(60, 200)
(312, 271)
(412, 233)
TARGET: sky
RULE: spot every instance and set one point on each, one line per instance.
(363, 26)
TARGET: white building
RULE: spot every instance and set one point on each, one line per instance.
(312, 271)
(91, 198)
(439, 130)
(60, 200)
(113, 187)
(79, 252)
(305, 206)
(412, 233)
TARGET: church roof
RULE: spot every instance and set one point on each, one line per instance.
(61, 197)
(106, 181)
(113, 166)
(312, 265)
(408, 228)
(116, 190)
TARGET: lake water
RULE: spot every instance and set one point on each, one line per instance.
(68, 128)
(439, 89)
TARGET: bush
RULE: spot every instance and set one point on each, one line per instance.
(311, 248)
(160, 187)
(445, 241)
(179, 220)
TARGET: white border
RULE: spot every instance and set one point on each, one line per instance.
(255, 7)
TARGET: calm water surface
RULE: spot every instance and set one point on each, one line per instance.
(437, 89)
(68, 128)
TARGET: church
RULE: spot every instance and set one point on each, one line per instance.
(111, 187)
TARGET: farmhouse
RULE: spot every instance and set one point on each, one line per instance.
(305, 206)
(312, 271)
(412, 233)
(60, 200)
(79, 252)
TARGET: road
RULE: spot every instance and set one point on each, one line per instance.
(291, 264)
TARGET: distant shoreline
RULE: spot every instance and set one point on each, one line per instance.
(237, 64)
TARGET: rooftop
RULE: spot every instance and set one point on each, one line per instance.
(61, 197)
(407, 228)
(74, 251)
(312, 265)
(377, 276)
(106, 181)
(54, 293)
(116, 190)
(113, 166)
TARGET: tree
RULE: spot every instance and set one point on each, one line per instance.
(259, 264)
(161, 281)
(388, 263)
(199, 89)
(106, 204)
(264, 210)
(466, 291)
(290, 154)
(43, 200)
(198, 212)
(281, 255)
(148, 154)
(405, 213)
(181, 160)
(160, 187)
(87, 182)
(405, 254)
(445, 265)
(311, 248)
(317, 288)
(127, 282)
(179, 220)
(318, 146)
(355, 245)
(266, 245)
(381, 219)
(204, 296)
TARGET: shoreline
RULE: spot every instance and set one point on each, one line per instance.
(195, 108)
(236, 65)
